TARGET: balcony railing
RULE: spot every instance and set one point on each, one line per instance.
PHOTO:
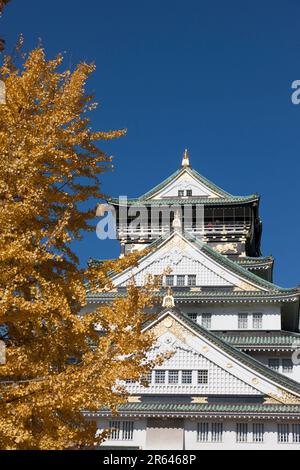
(206, 229)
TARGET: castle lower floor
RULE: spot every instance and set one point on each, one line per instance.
(205, 433)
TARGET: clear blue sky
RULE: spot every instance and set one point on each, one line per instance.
(213, 76)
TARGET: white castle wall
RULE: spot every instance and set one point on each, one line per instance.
(226, 317)
(189, 440)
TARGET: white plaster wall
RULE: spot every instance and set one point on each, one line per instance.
(265, 356)
(226, 317)
(190, 437)
(185, 182)
(229, 438)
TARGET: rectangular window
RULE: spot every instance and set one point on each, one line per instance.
(169, 280)
(193, 316)
(203, 377)
(147, 378)
(114, 430)
(191, 280)
(202, 432)
(186, 377)
(243, 321)
(189, 192)
(296, 433)
(287, 366)
(180, 192)
(241, 432)
(283, 433)
(206, 320)
(127, 431)
(173, 376)
(130, 381)
(257, 320)
(160, 376)
(216, 432)
(258, 432)
(180, 280)
(274, 364)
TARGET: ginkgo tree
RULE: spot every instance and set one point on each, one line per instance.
(57, 362)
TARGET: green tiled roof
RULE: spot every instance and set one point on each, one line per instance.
(198, 296)
(242, 357)
(189, 201)
(225, 197)
(248, 261)
(273, 292)
(225, 261)
(261, 339)
(207, 408)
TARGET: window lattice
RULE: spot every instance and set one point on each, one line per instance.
(283, 433)
(186, 377)
(206, 320)
(202, 432)
(257, 320)
(243, 321)
(203, 377)
(258, 432)
(241, 432)
(216, 432)
(160, 376)
(296, 433)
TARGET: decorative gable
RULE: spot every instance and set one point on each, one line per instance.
(178, 256)
(184, 182)
(229, 371)
(219, 380)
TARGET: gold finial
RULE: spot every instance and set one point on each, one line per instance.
(185, 159)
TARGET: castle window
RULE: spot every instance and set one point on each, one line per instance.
(274, 364)
(206, 320)
(180, 192)
(170, 281)
(243, 321)
(160, 376)
(173, 376)
(127, 431)
(283, 433)
(257, 320)
(258, 432)
(287, 366)
(296, 433)
(241, 432)
(180, 280)
(203, 377)
(186, 377)
(189, 192)
(121, 430)
(114, 430)
(193, 316)
(147, 377)
(216, 432)
(191, 280)
(202, 432)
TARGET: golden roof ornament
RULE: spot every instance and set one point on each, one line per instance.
(185, 159)
(168, 300)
